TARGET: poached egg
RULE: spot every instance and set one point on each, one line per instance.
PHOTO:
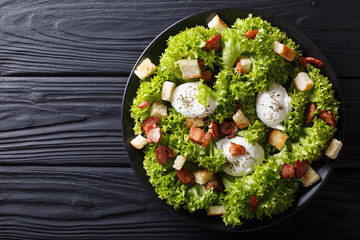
(183, 100)
(241, 165)
(273, 106)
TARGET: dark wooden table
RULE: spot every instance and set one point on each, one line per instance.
(64, 171)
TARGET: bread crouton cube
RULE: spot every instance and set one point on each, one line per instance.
(241, 120)
(216, 210)
(334, 148)
(138, 142)
(167, 90)
(277, 139)
(217, 23)
(197, 122)
(158, 110)
(179, 162)
(310, 177)
(303, 82)
(245, 64)
(189, 68)
(202, 176)
(284, 51)
(145, 69)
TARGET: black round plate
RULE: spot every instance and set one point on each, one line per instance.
(323, 167)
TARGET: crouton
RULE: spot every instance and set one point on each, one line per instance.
(202, 176)
(197, 122)
(189, 68)
(158, 110)
(138, 142)
(179, 162)
(241, 120)
(215, 210)
(334, 148)
(145, 69)
(217, 23)
(284, 51)
(277, 139)
(245, 64)
(167, 90)
(303, 82)
(310, 177)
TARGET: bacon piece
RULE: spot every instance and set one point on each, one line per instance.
(239, 67)
(153, 135)
(254, 201)
(206, 139)
(328, 117)
(310, 112)
(149, 121)
(201, 63)
(215, 183)
(251, 34)
(185, 176)
(302, 62)
(236, 149)
(213, 129)
(237, 108)
(213, 43)
(314, 61)
(163, 153)
(229, 128)
(300, 168)
(207, 75)
(143, 104)
(287, 171)
(196, 134)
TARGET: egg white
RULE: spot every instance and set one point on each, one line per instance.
(242, 164)
(183, 100)
(273, 106)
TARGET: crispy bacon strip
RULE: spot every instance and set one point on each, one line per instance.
(287, 171)
(310, 112)
(229, 128)
(300, 168)
(236, 149)
(149, 121)
(251, 34)
(206, 139)
(213, 43)
(185, 176)
(238, 68)
(153, 135)
(328, 117)
(254, 201)
(196, 134)
(207, 75)
(201, 63)
(213, 129)
(143, 104)
(302, 62)
(314, 61)
(163, 153)
(215, 183)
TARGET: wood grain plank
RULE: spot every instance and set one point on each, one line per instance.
(109, 203)
(77, 121)
(96, 37)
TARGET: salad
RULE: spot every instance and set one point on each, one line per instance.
(232, 118)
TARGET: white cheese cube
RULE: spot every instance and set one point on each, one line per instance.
(303, 82)
(310, 177)
(167, 90)
(138, 142)
(334, 148)
(277, 139)
(245, 64)
(145, 69)
(189, 68)
(158, 110)
(217, 23)
(216, 210)
(202, 176)
(179, 162)
(284, 51)
(241, 120)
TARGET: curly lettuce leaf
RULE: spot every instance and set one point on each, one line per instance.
(256, 133)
